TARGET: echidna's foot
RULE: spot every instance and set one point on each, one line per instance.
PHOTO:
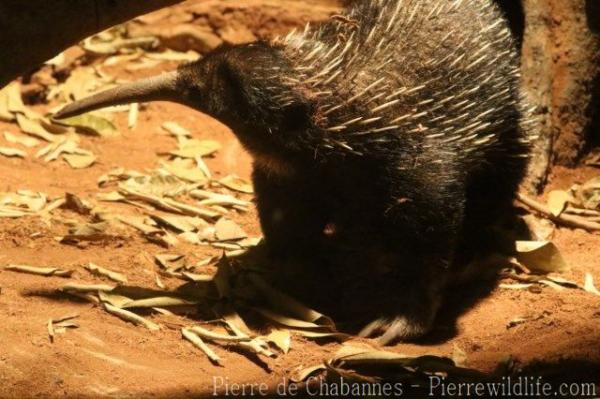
(393, 329)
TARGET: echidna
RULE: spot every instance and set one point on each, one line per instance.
(387, 139)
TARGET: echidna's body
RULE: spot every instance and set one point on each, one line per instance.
(395, 124)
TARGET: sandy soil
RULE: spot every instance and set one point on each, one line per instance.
(107, 357)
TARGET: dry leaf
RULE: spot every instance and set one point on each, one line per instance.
(196, 148)
(90, 123)
(286, 320)
(80, 161)
(209, 198)
(558, 201)
(213, 336)
(35, 128)
(191, 174)
(95, 269)
(5, 114)
(589, 285)
(515, 286)
(281, 339)
(540, 256)
(42, 271)
(160, 302)
(236, 183)
(12, 152)
(197, 278)
(228, 230)
(171, 55)
(289, 305)
(20, 139)
(132, 117)
(197, 341)
(176, 130)
(131, 317)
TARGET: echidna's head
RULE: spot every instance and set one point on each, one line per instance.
(249, 88)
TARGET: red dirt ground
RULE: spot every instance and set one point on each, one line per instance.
(107, 357)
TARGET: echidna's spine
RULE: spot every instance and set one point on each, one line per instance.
(435, 72)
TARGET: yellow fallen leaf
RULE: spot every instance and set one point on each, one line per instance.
(80, 161)
(196, 149)
(197, 341)
(35, 128)
(115, 276)
(558, 201)
(12, 152)
(236, 183)
(193, 174)
(132, 117)
(540, 256)
(175, 129)
(281, 339)
(20, 139)
(589, 285)
(131, 317)
(42, 271)
(228, 230)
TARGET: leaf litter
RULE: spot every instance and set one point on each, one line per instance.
(291, 312)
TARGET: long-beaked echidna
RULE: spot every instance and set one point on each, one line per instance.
(398, 123)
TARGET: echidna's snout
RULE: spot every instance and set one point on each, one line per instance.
(164, 87)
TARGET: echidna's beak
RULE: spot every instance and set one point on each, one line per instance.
(158, 88)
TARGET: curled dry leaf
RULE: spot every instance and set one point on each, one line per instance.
(170, 261)
(6, 115)
(35, 128)
(322, 335)
(158, 185)
(176, 130)
(540, 256)
(197, 278)
(208, 198)
(214, 336)
(132, 117)
(22, 140)
(289, 305)
(80, 161)
(520, 286)
(185, 171)
(589, 285)
(114, 299)
(228, 230)
(180, 223)
(12, 152)
(100, 271)
(232, 319)
(160, 302)
(558, 201)
(171, 55)
(540, 229)
(236, 183)
(286, 320)
(197, 341)
(257, 346)
(192, 148)
(90, 123)
(42, 271)
(131, 317)
(281, 339)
